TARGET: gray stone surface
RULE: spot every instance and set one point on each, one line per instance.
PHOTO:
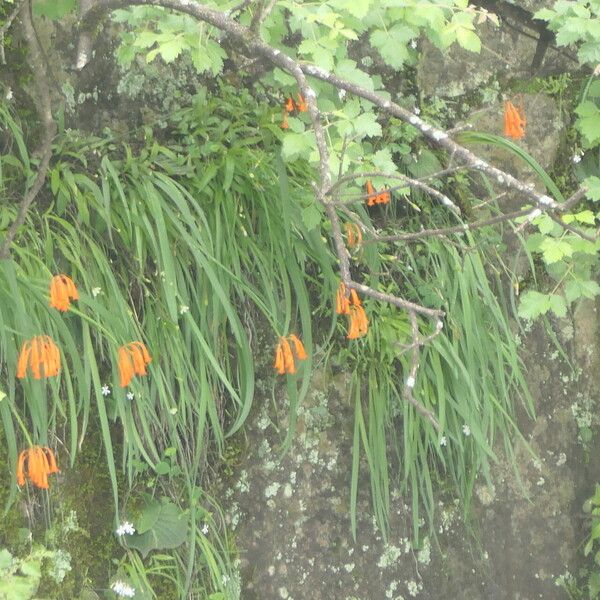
(505, 53)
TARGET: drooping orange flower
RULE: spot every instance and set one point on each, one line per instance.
(350, 304)
(374, 198)
(40, 351)
(133, 358)
(514, 121)
(36, 463)
(358, 322)
(301, 103)
(353, 234)
(342, 302)
(284, 356)
(284, 121)
(62, 290)
(289, 105)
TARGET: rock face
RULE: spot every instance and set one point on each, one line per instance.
(507, 52)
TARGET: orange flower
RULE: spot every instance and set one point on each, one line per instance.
(358, 322)
(37, 352)
(351, 305)
(383, 198)
(353, 233)
(342, 302)
(289, 105)
(62, 290)
(284, 121)
(375, 198)
(284, 356)
(36, 463)
(301, 103)
(298, 348)
(514, 121)
(133, 358)
(372, 194)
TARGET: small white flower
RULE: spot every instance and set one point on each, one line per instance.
(105, 390)
(9, 94)
(120, 588)
(173, 410)
(96, 291)
(443, 441)
(417, 110)
(184, 309)
(205, 529)
(413, 44)
(466, 430)
(576, 158)
(125, 528)
(130, 395)
(410, 382)
(341, 94)
(224, 580)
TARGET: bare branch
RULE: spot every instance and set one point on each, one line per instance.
(408, 180)
(417, 235)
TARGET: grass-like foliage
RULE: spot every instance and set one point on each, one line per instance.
(470, 377)
(206, 248)
(179, 247)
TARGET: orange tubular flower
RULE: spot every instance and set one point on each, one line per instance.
(301, 103)
(132, 360)
(342, 302)
(39, 352)
(383, 198)
(375, 198)
(353, 234)
(289, 105)
(351, 305)
(62, 290)
(284, 121)
(372, 194)
(36, 463)
(359, 324)
(298, 348)
(284, 356)
(514, 121)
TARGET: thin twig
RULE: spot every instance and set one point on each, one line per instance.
(417, 235)
(408, 180)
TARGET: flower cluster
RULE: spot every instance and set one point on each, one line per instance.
(375, 197)
(35, 464)
(353, 234)
(284, 356)
(514, 121)
(350, 304)
(125, 528)
(62, 291)
(41, 355)
(290, 106)
(133, 359)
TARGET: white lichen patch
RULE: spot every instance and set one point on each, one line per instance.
(389, 557)
(424, 554)
(272, 489)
